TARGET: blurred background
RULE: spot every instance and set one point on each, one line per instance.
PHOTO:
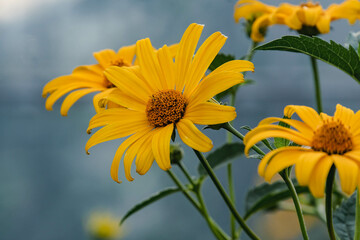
(48, 185)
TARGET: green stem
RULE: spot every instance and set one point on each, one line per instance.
(328, 202)
(317, 84)
(296, 201)
(186, 173)
(231, 129)
(357, 217)
(219, 234)
(251, 51)
(225, 197)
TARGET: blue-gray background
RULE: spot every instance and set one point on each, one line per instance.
(48, 184)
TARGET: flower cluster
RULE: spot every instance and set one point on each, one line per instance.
(308, 18)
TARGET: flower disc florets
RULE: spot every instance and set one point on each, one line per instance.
(333, 138)
(165, 107)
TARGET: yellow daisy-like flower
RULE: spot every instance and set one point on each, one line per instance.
(160, 95)
(88, 79)
(325, 140)
(258, 13)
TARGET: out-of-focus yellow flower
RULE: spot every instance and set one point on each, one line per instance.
(160, 95)
(88, 79)
(103, 225)
(325, 141)
(258, 15)
(349, 9)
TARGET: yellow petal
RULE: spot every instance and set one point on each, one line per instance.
(128, 82)
(300, 126)
(309, 15)
(124, 99)
(202, 60)
(173, 49)
(145, 156)
(192, 137)
(89, 72)
(120, 151)
(259, 24)
(307, 114)
(323, 24)
(264, 162)
(214, 84)
(250, 8)
(235, 66)
(104, 57)
(99, 97)
(355, 124)
(348, 172)
(319, 176)
(149, 64)
(305, 165)
(354, 155)
(210, 113)
(185, 53)
(266, 131)
(127, 53)
(344, 114)
(167, 66)
(161, 146)
(115, 131)
(73, 97)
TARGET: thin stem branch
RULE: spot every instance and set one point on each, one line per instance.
(317, 84)
(357, 217)
(186, 173)
(328, 202)
(296, 201)
(225, 197)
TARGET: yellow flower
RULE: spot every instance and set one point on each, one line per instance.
(88, 79)
(349, 9)
(160, 95)
(103, 225)
(325, 140)
(256, 13)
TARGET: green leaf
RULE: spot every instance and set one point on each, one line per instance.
(220, 59)
(267, 196)
(332, 53)
(344, 219)
(282, 142)
(148, 201)
(222, 155)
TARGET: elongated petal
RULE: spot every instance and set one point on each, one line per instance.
(260, 23)
(235, 66)
(305, 165)
(348, 172)
(319, 176)
(73, 97)
(167, 67)
(307, 114)
(354, 155)
(202, 60)
(309, 16)
(355, 124)
(192, 137)
(210, 113)
(161, 146)
(88, 72)
(300, 126)
(120, 151)
(323, 24)
(344, 114)
(264, 162)
(128, 82)
(266, 131)
(116, 115)
(104, 57)
(185, 53)
(145, 156)
(214, 84)
(98, 98)
(115, 131)
(124, 99)
(127, 53)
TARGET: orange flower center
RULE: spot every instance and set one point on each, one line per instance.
(333, 137)
(165, 107)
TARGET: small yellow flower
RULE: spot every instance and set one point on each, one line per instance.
(103, 225)
(88, 79)
(258, 14)
(325, 141)
(161, 95)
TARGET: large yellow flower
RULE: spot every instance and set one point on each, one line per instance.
(88, 79)
(160, 95)
(260, 15)
(325, 140)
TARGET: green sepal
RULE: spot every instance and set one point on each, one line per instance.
(222, 155)
(344, 218)
(267, 196)
(157, 196)
(330, 52)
